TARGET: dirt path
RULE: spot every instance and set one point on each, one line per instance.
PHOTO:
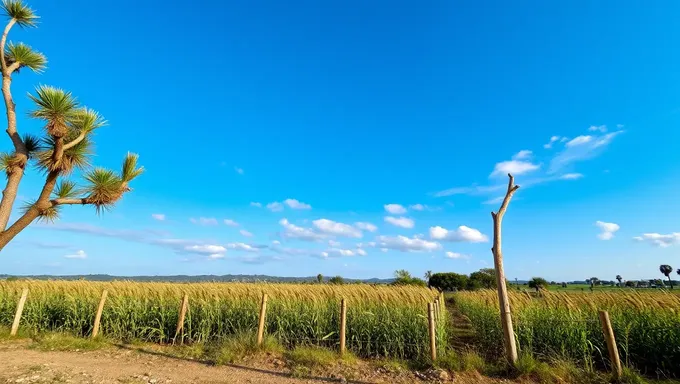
(112, 366)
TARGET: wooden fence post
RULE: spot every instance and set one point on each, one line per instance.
(433, 335)
(260, 325)
(20, 309)
(343, 324)
(182, 314)
(98, 316)
(611, 344)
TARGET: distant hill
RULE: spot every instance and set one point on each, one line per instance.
(194, 278)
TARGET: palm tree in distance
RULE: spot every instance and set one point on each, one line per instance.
(667, 270)
(619, 278)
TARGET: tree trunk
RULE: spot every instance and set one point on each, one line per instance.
(9, 194)
(504, 302)
(33, 212)
(670, 281)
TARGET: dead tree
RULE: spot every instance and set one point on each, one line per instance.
(504, 302)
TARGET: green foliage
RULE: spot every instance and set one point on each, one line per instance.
(65, 189)
(319, 278)
(483, 279)
(25, 56)
(21, 13)
(403, 277)
(336, 280)
(538, 283)
(448, 281)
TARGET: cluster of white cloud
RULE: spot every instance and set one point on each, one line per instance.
(331, 227)
(407, 244)
(461, 234)
(659, 239)
(455, 255)
(608, 230)
(364, 226)
(276, 206)
(395, 209)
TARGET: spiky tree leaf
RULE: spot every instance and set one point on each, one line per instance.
(85, 119)
(32, 143)
(5, 162)
(25, 56)
(76, 157)
(130, 170)
(105, 188)
(17, 10)
(48, 215)
(56, 106)
(66, 189)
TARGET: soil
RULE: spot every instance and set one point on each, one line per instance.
(20, 363)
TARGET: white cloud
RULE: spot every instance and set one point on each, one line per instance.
(334, 244)
(275, 206)
(422, 207)
(361, 252)
(472, 190)
(579, 140)
(230, 223)
(205, 248)
(463, 233)
(608, 230)
(406, 244)
(242, 247)
(581, 148)
(515, 167)
(204, 221)
(366, 226)
(495, 200)
(338, 229)
(339, 252)
(384, 250)
(294, 232)
(403, 222)
(553, 139)
(245, 233)
(256, 204)
(571, 176)
(599, 128)
(238, 170)
(294, 204)
(659, 239)
(395, 209)
(158, 216)
(78, 255)
(276, 242)
(455, 255)
(523, 154)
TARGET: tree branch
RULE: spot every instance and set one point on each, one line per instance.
(75, 141)
(3, 40)
(70, 201)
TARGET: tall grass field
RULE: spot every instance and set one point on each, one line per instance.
(566, 325)
(381, 320)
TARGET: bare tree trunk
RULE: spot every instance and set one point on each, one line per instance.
(33, 212)
(504, 302)
(9, 194)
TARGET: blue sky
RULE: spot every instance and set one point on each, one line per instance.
(337, 109)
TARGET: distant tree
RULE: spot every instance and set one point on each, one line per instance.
(678, 271)
(619, 278)
(403, 277)
(538, 283)
(553, 283)
(449, 281)
(630, 284)
(319, 278)
(63, 148)
(594, 281)
(427, 276)
(336, 280)
(484, 278)
(667, 270)
(564, 285)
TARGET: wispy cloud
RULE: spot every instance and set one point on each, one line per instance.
(78, 255)
(230, 223)
(239, 170)
(245, 233)
(256, 204)
(158, 216)
(660, 240)
(395, 209)
(581, 148)
(206, 221)
(293, 231)
(337, 229)
(295, 204)
(406, 244)
(455, 255)
(366, 226)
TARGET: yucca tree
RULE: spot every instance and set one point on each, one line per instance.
(667, 270)
(64, 146)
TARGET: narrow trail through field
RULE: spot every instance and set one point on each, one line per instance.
(462, 334)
